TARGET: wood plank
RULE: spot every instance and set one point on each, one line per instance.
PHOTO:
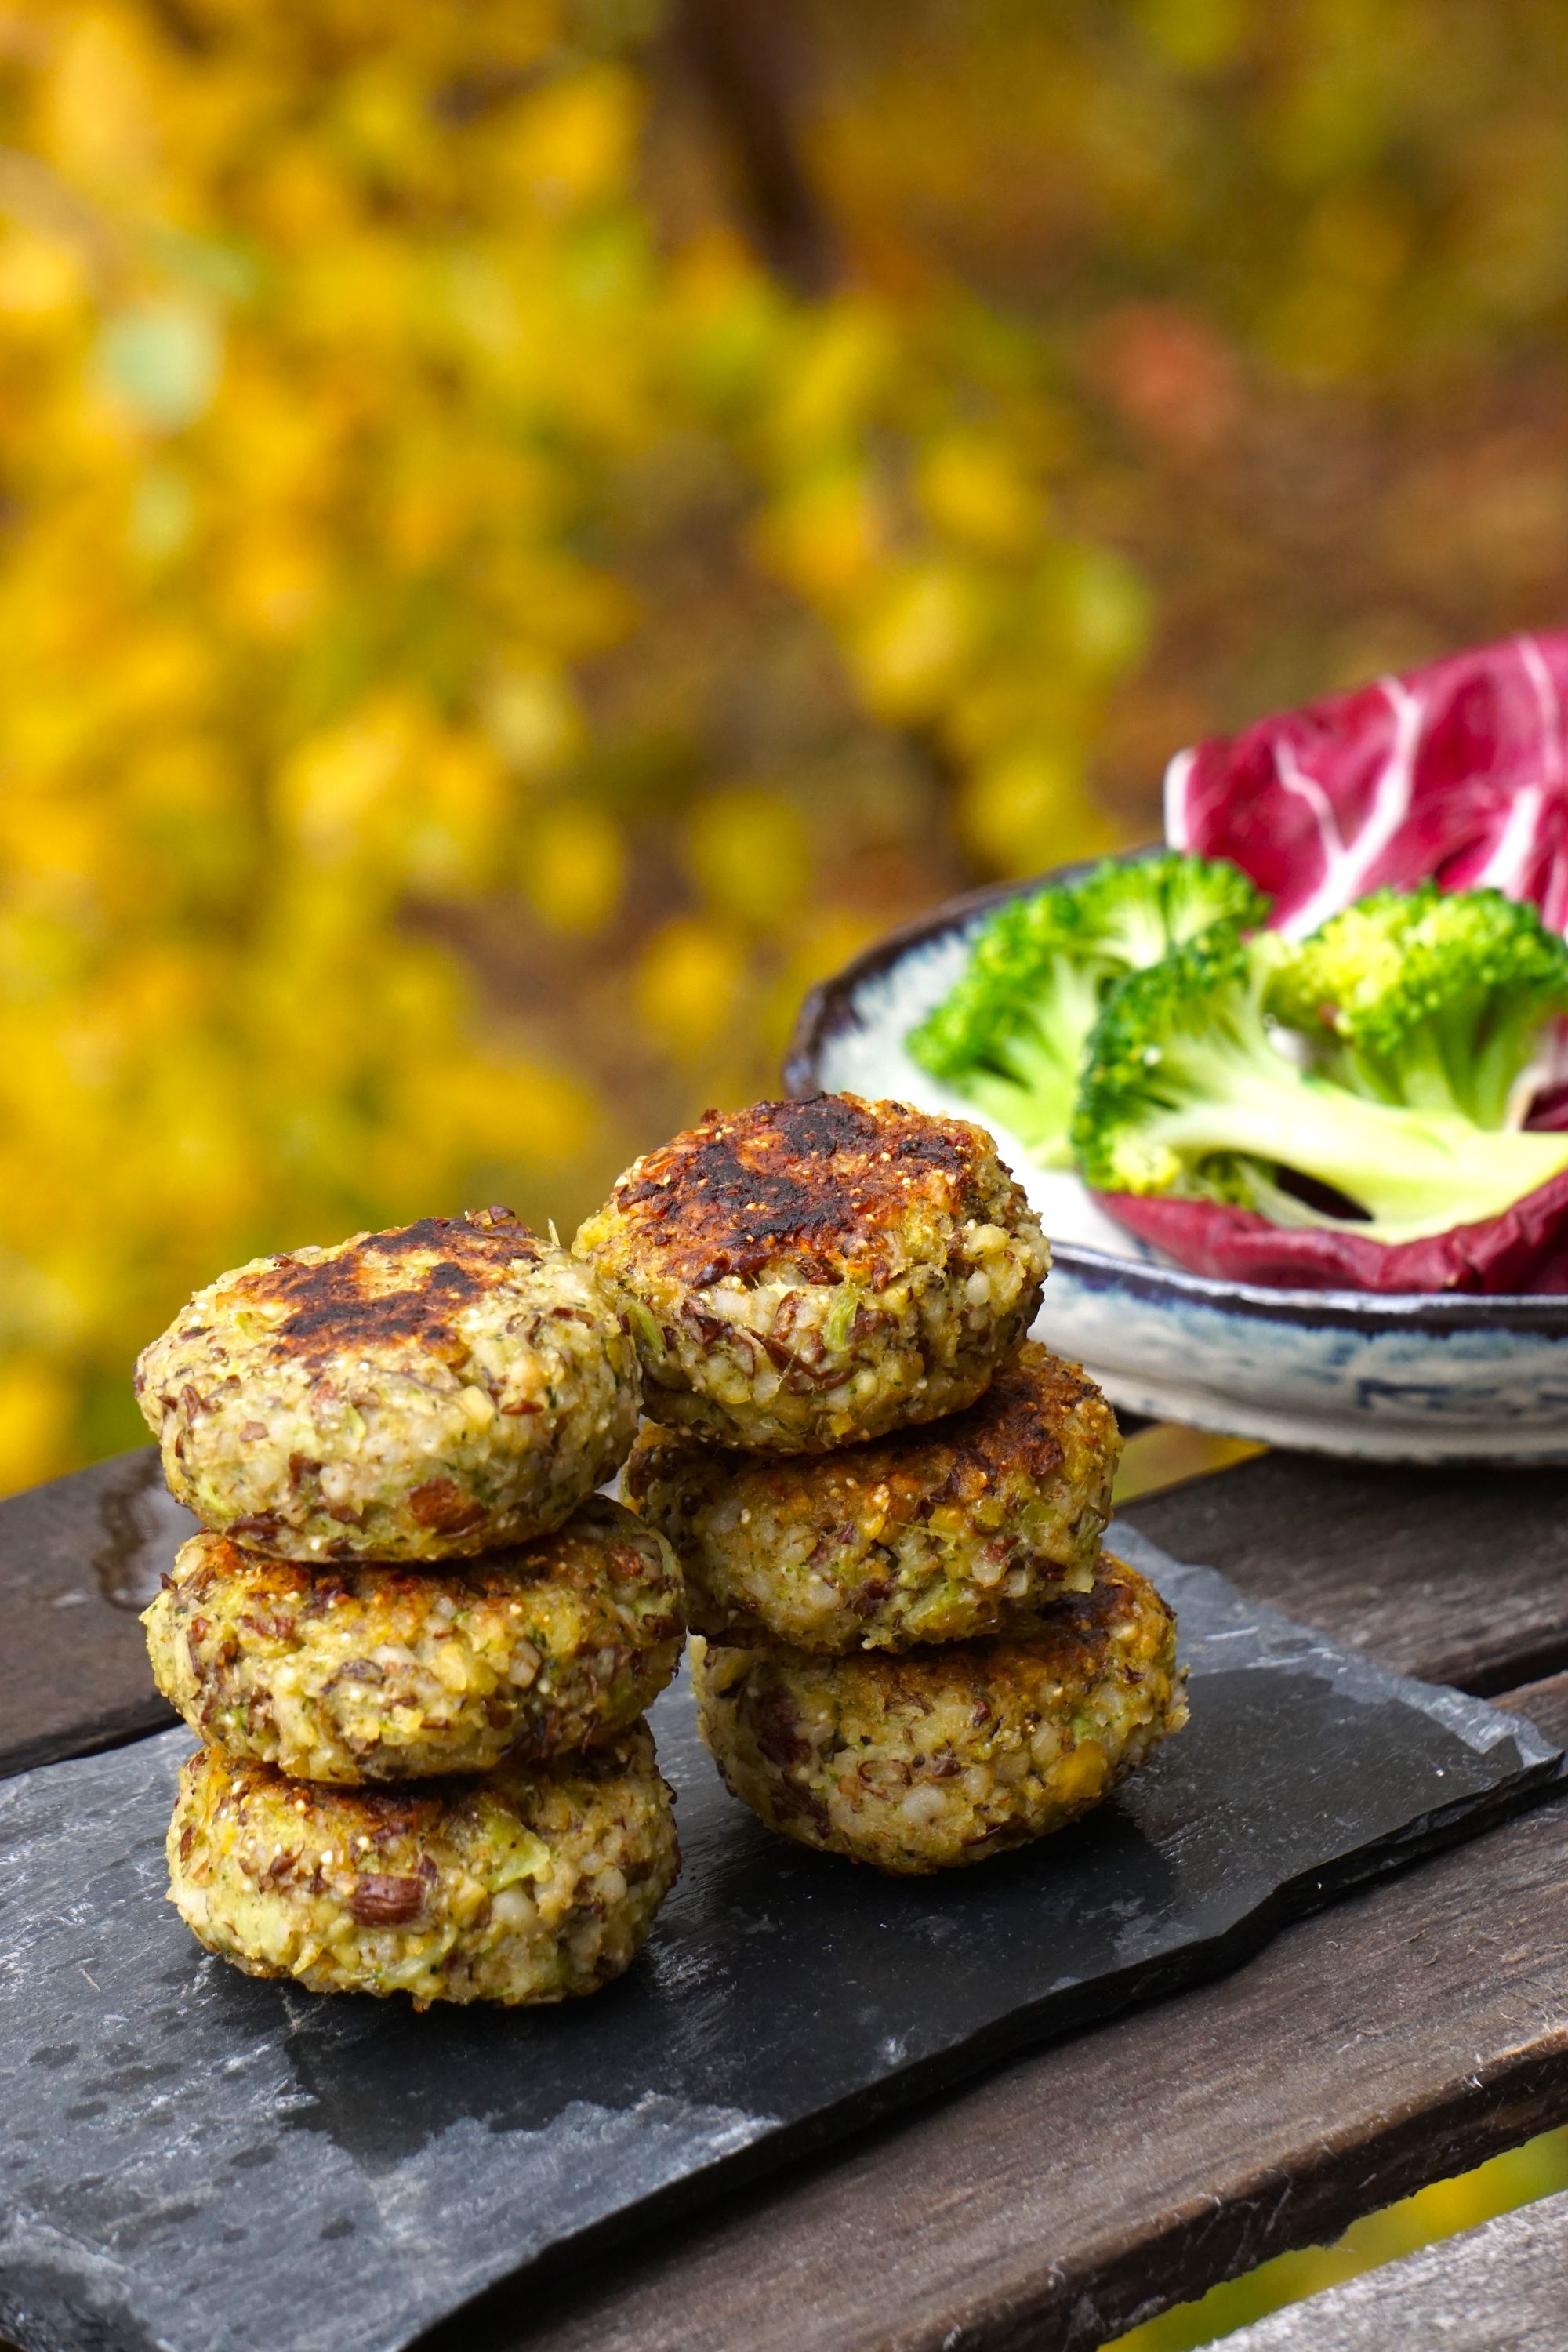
(1459, 1575)
(1406, 1565)
(1499, 2288)
(1401, 2036)
(1132, 2168)
(78, 1558)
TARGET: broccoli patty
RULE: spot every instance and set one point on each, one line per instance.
(945, 1532)
(802, 1275)
(531, 1882)
(427, 1394)
(367, 1673)
(936, 1758)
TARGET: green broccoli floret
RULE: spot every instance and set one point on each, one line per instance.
(1185, 1090)
(1135, 913)
(1432, 999)
(1010, 1033)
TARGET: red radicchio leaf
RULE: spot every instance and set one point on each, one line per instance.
(1458, 770)
(1549, 1111)
(1525, 1249)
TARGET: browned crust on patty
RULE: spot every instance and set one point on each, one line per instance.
(822, 1184)
(1014, 1428)
(945, 1530)
(1069, 1646)
(367, 1297)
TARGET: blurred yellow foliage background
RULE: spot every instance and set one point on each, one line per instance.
(530, 531)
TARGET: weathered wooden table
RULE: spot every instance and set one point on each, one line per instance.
(1404, 2034)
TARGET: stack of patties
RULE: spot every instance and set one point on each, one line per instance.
(415, 1643)
(887, 1504)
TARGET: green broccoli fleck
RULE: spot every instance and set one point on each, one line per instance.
(1187, 1089)
(1431, 998)
(1010, 1035)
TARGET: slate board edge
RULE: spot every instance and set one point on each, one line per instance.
(491, 2312)
(1462, 1710)
(866, 2111)
(143, 1720)
(1540, 1768)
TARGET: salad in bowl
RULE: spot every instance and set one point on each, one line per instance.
(1285, 1092)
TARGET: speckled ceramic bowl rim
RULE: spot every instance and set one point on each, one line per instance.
(829, 1009)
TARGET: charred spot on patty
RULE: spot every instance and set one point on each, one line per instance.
(391, 1289)
(1016, 1424)
(1015, 1427)
(818, 1183)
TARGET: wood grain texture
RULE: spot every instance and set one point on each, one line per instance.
(78, 1558)
(1406, 2035)
(1545, 1703)
(1402, 2036)
(1458, 1575)
(1461, 1576)
(1500, 2288)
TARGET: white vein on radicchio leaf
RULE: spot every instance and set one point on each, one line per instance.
(1458, 769)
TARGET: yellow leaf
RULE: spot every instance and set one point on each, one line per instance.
(42, 283)
(914, 644)
(574, 141)
(750, 854)
(532, 718)
(98, 114)
(970, 486)
(573, 867)
(689, 985)
(1028, 810)
(36, 1412)
(824, 535)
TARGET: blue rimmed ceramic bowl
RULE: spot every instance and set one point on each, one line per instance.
(1425, 1378)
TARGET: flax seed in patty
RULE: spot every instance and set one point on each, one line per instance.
(948, 1531)
(932, 1758)
(803, 1275)
(427, 1394)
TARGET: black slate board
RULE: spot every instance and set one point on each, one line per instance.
(195, 2161)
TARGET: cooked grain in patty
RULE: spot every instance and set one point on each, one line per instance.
(802, 1275)
(945, 1532)
(531, 1883)
(936, 1758)
(426, 1393)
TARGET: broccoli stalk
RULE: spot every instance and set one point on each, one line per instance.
(1185, 1090)
(1433, 1000)
(1011, 1033)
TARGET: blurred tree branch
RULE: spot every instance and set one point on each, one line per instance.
(749, 60)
